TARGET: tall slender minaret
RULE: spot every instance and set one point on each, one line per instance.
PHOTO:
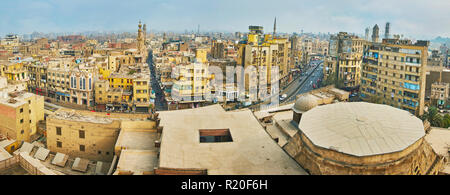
(367, 34)
(274, 28)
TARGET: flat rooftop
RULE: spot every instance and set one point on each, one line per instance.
(15, 99)
(75, 116)
(142, 140)
(137, 161)
(439, 139)
(251, 151)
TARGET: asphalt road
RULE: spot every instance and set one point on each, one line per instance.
(308, 84)
(300, 85)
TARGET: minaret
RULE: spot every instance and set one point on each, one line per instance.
(274, 28)
(375, 33)
(140, 39)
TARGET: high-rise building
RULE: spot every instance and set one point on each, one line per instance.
(394, 73)
(367, 34)
(387, 30)
(375, 33)
(264, 52)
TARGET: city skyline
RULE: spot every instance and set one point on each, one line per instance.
(227, 16)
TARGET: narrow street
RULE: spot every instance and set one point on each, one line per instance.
(160, 101)
(308, 83)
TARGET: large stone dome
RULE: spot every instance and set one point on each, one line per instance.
(304, 103)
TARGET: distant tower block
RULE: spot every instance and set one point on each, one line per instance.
(375, 33)
(367, 34)
(387, 30)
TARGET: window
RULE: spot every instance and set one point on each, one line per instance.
(99, 152)
(81, 134)
(58, 144)
(58, 130)
(215, 135)
(21, 110)
(21, 132)
(82, 148)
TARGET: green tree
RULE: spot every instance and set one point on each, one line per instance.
(332, 79)
(446, 121)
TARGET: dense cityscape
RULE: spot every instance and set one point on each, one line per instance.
(256, 102)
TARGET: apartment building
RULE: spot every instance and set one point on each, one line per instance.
(439, 94)
(264, 52)
(141, 93)
(14, 70)
(108, 98)
(191, 84)
(82, 85)
(58, 83)
(37, 73)
(394, 73)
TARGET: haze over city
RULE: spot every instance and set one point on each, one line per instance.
(420, 19)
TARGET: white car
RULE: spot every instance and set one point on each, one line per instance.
(284, 96)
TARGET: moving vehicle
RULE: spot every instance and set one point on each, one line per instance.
(282, 97)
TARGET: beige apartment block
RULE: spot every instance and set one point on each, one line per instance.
(264, 52)
(191, 85)
(20, 112)
(141, 93)
(345, 59)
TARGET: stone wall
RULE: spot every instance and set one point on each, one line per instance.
(7, 163)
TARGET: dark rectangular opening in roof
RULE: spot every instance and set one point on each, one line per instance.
(215, 135)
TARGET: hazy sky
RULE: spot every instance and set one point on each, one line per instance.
(413, 18)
